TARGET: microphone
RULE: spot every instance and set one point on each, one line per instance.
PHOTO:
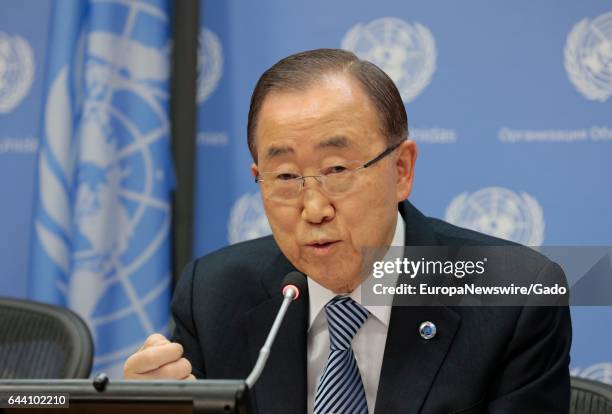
(293, 284)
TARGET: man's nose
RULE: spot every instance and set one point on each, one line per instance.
(317, 206)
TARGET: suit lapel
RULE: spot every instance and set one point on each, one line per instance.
(410, 363)
(418, 230)
(282, 385)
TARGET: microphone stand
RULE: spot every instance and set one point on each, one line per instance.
(290, 294)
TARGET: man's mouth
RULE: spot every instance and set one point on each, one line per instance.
(322, 247)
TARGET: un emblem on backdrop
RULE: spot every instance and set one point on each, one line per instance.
(501, 213)
(598, 372)
(16, 70)
(588, 57)
(210, 63)
(247, 219)
(115, 262)
(406, 52)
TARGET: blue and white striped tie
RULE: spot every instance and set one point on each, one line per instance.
(340, 389)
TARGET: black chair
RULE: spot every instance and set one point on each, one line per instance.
(40, 341)
(590, 397)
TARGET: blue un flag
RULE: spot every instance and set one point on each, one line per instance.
(102, 218)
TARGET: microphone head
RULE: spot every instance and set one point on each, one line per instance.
(295, 280)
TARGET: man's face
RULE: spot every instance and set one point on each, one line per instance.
(330, 123)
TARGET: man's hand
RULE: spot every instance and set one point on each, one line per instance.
(158, 358)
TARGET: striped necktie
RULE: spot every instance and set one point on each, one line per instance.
(340, 389)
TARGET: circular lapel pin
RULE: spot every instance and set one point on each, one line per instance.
(427, 330)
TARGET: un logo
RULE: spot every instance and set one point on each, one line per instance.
(16, 71)
(501, 213)
(210, 63)
(588, 57)
(406, 52)
(598, 372)
(247, 219)
(105, 183)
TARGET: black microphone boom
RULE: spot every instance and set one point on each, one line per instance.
(293, 284)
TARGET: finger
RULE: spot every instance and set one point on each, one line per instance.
(178, 370)
(190, 377)
(154, 339)
(152, 358)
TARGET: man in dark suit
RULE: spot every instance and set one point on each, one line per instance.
(327, 132)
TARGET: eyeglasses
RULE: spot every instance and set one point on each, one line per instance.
(334, 180)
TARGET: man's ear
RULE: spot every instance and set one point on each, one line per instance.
(404, 164)
(254, 170)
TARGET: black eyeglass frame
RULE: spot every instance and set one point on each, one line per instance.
(373, 161)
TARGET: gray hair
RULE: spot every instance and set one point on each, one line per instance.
(298, 71)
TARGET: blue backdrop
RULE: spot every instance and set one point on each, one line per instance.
(101, 225)
(509, 102)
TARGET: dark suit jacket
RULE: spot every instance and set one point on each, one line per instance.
(483, 359)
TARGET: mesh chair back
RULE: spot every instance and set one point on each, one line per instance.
(590, 397)
(42, 341)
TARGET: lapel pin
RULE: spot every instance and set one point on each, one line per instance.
(427, 330)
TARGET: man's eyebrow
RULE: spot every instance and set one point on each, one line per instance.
(277, 151)
(335, 142)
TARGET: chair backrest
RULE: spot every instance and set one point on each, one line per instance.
(42, 341)
(590, 397)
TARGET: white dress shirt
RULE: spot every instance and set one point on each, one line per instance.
(368, 343)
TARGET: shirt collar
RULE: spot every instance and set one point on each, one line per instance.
(319, 295)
